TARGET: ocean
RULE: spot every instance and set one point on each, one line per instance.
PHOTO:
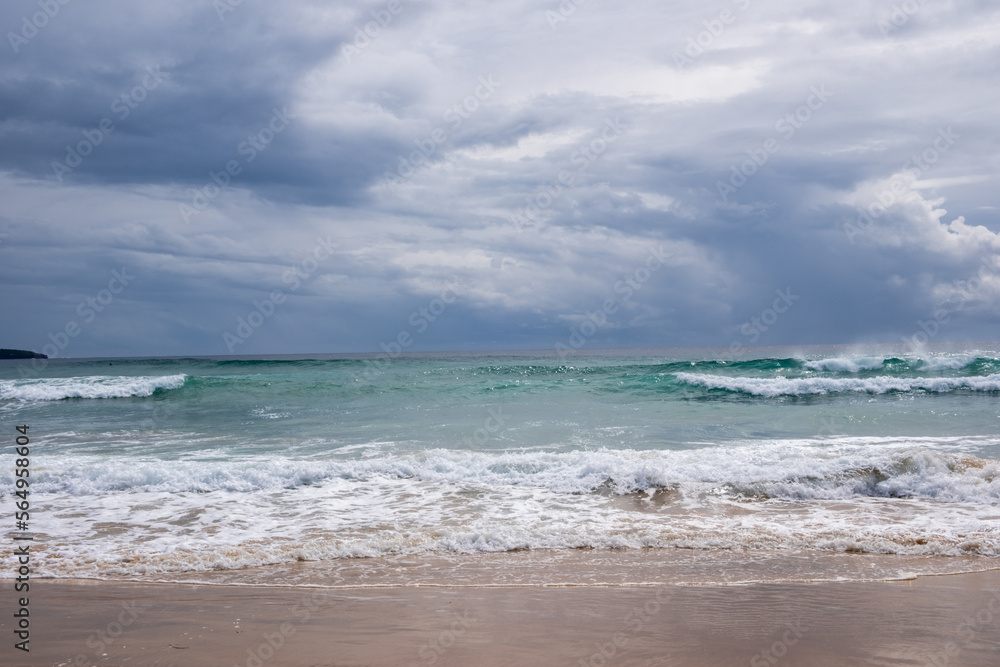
(610, 467)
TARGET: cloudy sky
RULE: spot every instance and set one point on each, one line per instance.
(208, 177)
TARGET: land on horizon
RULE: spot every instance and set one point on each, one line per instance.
(6, 353)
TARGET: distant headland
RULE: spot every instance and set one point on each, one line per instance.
(21, 354)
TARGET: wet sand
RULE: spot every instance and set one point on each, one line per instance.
(943, 620)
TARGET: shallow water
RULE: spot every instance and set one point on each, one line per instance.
(182, 469)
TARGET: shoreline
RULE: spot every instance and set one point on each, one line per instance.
(937, 619)
(566, 568)
(97, 581)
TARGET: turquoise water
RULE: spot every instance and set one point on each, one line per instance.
(146, 467)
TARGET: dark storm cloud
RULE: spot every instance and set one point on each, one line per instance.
(179, 98)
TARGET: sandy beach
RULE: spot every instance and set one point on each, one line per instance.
(943, 620)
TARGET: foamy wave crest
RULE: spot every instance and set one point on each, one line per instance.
(845, 364)
(818, 470)
(832, 495)
(803, 386)
(947, 363)
(97, 386)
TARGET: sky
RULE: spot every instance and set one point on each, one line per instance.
(209, 177)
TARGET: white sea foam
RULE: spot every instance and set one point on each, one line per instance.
(816, 385)
(267, 412)
(822, 469)
(96, 386)
(845, 364)
(907, 496)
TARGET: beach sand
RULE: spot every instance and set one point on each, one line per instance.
(937, 620)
